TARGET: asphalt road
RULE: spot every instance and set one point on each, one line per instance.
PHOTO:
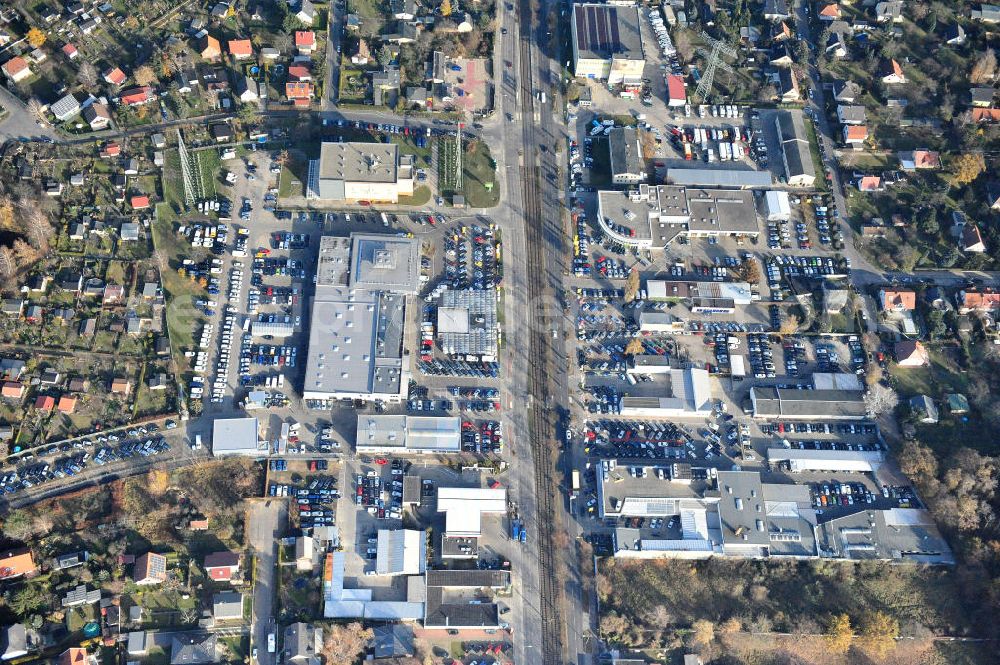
(265, 524)
(18, 122)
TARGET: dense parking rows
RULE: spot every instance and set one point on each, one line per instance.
(31, 474)
(382, 500)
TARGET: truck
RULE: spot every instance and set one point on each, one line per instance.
(541, 96)
(687, 151)
(576, 482)
(271, 643)
(515, 530)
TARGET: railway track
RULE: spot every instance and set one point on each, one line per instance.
(541, 416)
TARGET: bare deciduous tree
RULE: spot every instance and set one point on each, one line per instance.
(87, 75)
(881, 399)
(344, 643)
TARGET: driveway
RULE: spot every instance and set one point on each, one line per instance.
(18, 122)
(265, 524)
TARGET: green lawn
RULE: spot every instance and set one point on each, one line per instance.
(421, 195)
(292, 181)
(478, 173)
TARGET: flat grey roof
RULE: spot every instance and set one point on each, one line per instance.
(355, 342)
(898, 534)
(234, 436)
(722, 211)
(467, 322)
(780, 402)
(358, 162)
(333, 266)
(385, 262)
(719, 178)
(741, 509)
(623, 145)
(604, 32)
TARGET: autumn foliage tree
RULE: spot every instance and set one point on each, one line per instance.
(144, 75)
(632, 286)
(35, 37)
(966, 167)
(344, 644)
(839, 634)
(984, 70)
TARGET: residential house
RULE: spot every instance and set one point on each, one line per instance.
(78, 385)
(392, 640)
(352, 22)
(12, 306)
(15, 641)
(193, 649)
(781, 55)
(954, 34)
(11, 368)
(385, 86)
(222, 566)
(890, 72)
(870, 183)
(972, 240)
(113, 294)
(80, 595)
(836, 46)
(221, 132)
(140, 202)
(71, 281)
(363, 55)
(110, 150)
(16, 69)
(137, 96)
(404, 33)
(776, 10)
(299, 73)
(788, 85)
(829, 12)
(247, 89)
(209, 48)
(63, 315)
(957, 403)
(227, 606)
(418, 97)
(982, 97)
(45, 403)
(303, 644)
(17, 563)
(855, 135)
(70, 51)
(12, 390)
(977, 301)
(157, 381)
(115, 76)
(897, 300)
(75, 656)
(846, 92)
(150, 568)
(304, 553)
(780, 32)
(912, 160)
(987, 13)
(993, 195)
(985, 115)
(403, 10)
(269, 53)
(851, 114)
(911, 353)
(306, 13)
(67, 404)
(121, 386)
(924, 407)
(305, 41)
(299, 93)
(240, 49)
(97, 116)
(88, 327)
(65, 108)
(889, 11)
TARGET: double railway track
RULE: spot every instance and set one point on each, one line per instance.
(541, 417)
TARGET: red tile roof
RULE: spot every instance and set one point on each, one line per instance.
(899, 300)
(15, 65)
(140, 202)
(926, 159)
(67, 404)
(115, 76)
(134, 96)
(675, 87)
(12, 389)
(305, 38)
(832, 10)
(298, 90)
(985, 115)
(855, 133)
(299, 73)
(70, 50)
(45, 402)
(111, 150)
(870, 183)
(240, 48)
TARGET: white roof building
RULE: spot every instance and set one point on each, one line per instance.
(777, 206)
(236, 436)
(826, 460)
(401, 552)
(464, 508)
(690, 396)
(408, 434)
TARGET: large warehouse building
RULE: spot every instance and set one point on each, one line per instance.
(795, 152)
(652, 216)
(403, 434)
(358, 317)
(353, 172)
(607, 43)
(689, 395)
(237, 436)
(794, 404)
